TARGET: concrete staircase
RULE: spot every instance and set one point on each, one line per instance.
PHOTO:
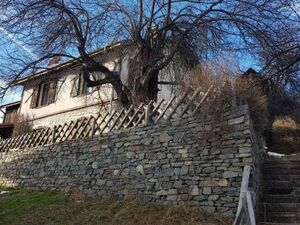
(280, 199)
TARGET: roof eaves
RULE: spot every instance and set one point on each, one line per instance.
(10, 104)
(64, 64)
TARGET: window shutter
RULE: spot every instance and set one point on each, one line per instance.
(52, 92)
(74, 90)
(34, 98)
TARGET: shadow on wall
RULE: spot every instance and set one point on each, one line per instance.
(184, 161)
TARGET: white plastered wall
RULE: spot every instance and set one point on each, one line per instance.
(65, 108)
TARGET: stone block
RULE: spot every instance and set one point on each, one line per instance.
(244, 149)
(230, 174)
(172, 192)
(209, 170)
(206, 190)
(130, 155)
(209, 183)
(213, 197)
(140, 169)
(165, 138)
(100, 182)
(184, 170)
(237, 120)
(194, 190)
(182, 151)
(95, 165)
(223, 183)
(116, 172)
(184, 197)
(162, 193)
(172, 198)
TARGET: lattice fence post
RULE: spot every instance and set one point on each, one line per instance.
(94, 126)
(147, 114)
(53, 134)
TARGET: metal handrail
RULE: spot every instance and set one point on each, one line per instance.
(245, 212)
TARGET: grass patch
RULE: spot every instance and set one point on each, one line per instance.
(286, 136)
(22, 207)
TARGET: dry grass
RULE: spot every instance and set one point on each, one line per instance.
(50, 208)
(285, 122)
(204, 77)
(286, 136)
(228, 84)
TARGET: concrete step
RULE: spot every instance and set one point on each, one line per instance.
(280, 198)
(278, 191)
(281, 162)
(281, 183)
(281, 171)
(282, 217)
(279, 177)
(262, 223)
(279, 207)
(280, 188)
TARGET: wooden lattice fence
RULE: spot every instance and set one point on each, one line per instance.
(177, 107)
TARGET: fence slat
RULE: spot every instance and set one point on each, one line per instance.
(77, 128)
(108, 121)
(42, 137)
(67, 129)
(166, 108)
(178, 104)
(202, 100)
(116, 120)
(136, 112)
(74, 124)
(101, 121)
(156, 107)
(125, 117)
(85, 126)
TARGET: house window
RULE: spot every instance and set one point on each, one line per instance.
(79, 87)
(44, 94)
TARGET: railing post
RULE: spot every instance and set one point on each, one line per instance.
(244, 189)
(147, 113)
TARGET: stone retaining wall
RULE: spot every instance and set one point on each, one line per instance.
(192, 161)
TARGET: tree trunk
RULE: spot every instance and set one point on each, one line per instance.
(147, 91)
(144, 85)
(142, 79)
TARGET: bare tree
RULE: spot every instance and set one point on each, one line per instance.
(157, 30)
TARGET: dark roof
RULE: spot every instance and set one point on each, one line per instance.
(66, 64)
(250, 72)
(10, 104)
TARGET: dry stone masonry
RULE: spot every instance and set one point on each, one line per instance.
(187, 160)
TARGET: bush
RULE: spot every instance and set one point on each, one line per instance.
(251, 92)
(229, 87)
(22, 125)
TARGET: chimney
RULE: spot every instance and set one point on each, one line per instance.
(53, 61)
